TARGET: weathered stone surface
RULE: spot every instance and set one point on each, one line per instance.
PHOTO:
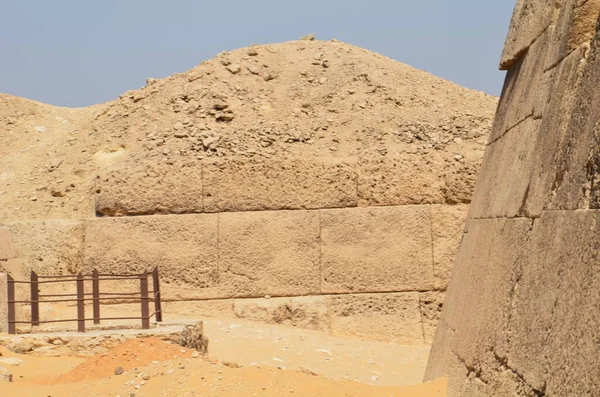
(530, 19)
(388, 182)
(575, 171)
(519, 315)
(378, 316)
(269, 253)
(440, 359)
(575, 26)
(7, 246)
(447, 223)
(304, 312)
(48, 247)
(183, 246)
(523, 94)
(503, 191)
(552, 143)
(278, 185)
(376, 249)
(149, 188)
(431, 307)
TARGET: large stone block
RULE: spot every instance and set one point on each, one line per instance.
(236, 185)
(395, 317)
(183, 246)
(553, 318)
(48, 247)
(7, 246)
(376, 249)
(440, 359)
(149, 188)
(502, 191)
(389, 182)
(530, 19)
(523, 94)
(575, 26)
(269, 253)
(553, 141)
(488, 267)
(447, 222)
(576, 171)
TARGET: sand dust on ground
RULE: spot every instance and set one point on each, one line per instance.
(173, 372)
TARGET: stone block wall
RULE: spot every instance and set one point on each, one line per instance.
(361, 248)
(357, 271)
(519, 317)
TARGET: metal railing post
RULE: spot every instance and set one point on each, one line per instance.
(156, 288)
(80, 304)
(96, 295)
(144, 296)
(35, 299)
(12, 327)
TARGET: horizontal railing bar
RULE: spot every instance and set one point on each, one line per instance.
(120, 278)
(61, 281)
(118, 293)
(118, 275)
(68, 276)
(59, 295)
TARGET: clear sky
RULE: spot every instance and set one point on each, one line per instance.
(83, 52)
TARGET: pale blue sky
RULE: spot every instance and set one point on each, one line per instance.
(82, 52)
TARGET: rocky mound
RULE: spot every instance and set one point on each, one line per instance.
(308, 100)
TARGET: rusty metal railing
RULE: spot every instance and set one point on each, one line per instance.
(143, 296)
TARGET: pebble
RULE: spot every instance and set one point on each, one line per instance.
(119, 370)
(308, 37)
(5, 375)
(234, 68)
(12, 361)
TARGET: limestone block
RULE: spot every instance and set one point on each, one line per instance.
(376, 249)
(393, 317)
(448, 224)
(388, 182)
(236, 185)
(554, 320)
(459, 182)
(503, 190)
(576, 167)
(523, 91)
(183, 246)
(575, 26)
(7, 246)
(269, 253)
(555, 135)
(48, 247)
(489, 263)
(431, 307)
(149, 188)
(305, 312)
(441, 357)
(530, 19)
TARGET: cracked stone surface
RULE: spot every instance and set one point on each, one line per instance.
(519, 317)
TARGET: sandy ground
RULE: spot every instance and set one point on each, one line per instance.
(40, 376)
(245, 358)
